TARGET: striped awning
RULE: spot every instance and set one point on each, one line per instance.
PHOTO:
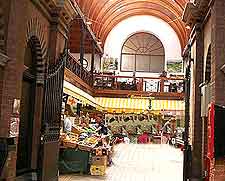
(79, 94)
(138, 105)
(174, 105)
(122, 103)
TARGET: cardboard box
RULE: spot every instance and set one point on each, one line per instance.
(98, 170)
(99, 160)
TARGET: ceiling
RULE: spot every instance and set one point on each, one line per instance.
(106, 14)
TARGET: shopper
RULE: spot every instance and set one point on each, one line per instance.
(144, 138)
(67, 123)
(101, 127)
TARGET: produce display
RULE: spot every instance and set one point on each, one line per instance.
(83, 138)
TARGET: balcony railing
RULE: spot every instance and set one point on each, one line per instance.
(75, 66)
(103, 83)
(141, 84)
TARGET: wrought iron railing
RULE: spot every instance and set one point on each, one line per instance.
(142, 84)
(75, 66)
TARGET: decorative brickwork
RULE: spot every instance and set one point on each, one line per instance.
(2, 27)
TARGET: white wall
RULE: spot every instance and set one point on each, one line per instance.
(151, 24)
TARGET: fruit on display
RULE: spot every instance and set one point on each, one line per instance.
(92, 140)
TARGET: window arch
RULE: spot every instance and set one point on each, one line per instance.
(143, 52)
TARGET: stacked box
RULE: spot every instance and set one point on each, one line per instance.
(99, 160)
(98, 165)
(98, 170)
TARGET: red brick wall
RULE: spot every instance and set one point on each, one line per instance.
(25, 20)
(218, 50)
(219, 174)
(218, 77)
(22, 15)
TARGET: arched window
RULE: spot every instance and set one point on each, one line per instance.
(143, 52)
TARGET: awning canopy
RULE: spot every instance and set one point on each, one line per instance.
(138, 105)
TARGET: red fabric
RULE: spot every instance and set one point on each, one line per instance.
(210, 144)
(211, 117)
(143, 139)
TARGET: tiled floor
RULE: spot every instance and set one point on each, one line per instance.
(140, 163)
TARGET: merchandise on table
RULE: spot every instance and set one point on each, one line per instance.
(84, 150)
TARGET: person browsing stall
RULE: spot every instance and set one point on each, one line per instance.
(67, 123)
(101, 128)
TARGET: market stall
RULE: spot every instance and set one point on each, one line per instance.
(84, 145)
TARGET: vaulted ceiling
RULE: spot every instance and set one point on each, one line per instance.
(106, 14)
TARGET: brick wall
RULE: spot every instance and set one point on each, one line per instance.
(218, 50)
(218, 77)
(25, 20)
(219, 174)
(22, 16)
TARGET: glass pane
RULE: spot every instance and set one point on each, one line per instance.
(157, 64)
(128, 62)
(142, 63)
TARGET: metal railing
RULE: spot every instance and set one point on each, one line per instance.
(75, 66)
(142, 84)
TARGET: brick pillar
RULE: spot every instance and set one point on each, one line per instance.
(218, 51)
(57, 38)
(218, 77)
(50, 144)
(11, 75)
(197, 132)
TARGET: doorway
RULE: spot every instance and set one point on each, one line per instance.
(27, 110)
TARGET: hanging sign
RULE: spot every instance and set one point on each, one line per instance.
(14, 127)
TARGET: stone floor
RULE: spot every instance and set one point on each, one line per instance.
(133, 162)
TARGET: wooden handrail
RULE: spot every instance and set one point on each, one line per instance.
(75, 66)
(131, 77)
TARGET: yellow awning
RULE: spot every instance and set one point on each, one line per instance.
(80, 95)
(138, 105)
(122, 103)
(175, 105)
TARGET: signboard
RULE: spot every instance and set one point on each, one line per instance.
(14, 127)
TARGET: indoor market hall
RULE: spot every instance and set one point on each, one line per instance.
(112, 90)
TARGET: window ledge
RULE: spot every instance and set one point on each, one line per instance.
(3, 59)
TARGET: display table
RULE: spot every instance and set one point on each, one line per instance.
(73, 161)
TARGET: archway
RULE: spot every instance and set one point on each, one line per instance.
(30, 110)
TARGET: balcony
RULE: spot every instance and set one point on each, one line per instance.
(170, 88)
(104, 85)
(75, 67)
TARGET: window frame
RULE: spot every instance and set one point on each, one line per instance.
(135, 56)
